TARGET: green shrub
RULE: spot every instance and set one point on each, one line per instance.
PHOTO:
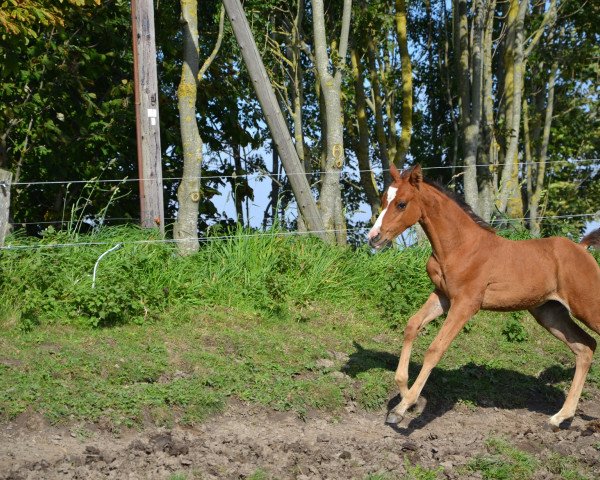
(49, 280)
(46, 281)
(513, 330)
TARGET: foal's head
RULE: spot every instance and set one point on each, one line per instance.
(401, 206)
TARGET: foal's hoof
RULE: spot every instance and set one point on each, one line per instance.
(393, 418)
(420, 405)
(556, 422)
(550, 427)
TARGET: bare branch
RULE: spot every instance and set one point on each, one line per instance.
(213, 54)
(549, 19)
(345, 33)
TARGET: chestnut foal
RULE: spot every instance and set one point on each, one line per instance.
(473, 269)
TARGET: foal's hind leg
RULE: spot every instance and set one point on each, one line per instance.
(435, 305)
(556, 319)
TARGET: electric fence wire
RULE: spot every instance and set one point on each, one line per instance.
(227, 237)
(265, 174)
(176, 240)
(104, 220)
(212, 238)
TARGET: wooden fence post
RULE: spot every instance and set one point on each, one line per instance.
(5, 181)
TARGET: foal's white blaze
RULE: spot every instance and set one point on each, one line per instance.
(391, 194)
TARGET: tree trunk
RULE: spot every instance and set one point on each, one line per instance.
(297, 88)
(378, 111)
(367, 178)
(538, 168)
(185, 229)
(544, 102)
(238, 185)
(297, 97)
(445, 69)
(330, 199)
(274, 118)
(271, 208)
(509, 184)
(488, 141)
(407, 88)
(5, 182)
(470, 95)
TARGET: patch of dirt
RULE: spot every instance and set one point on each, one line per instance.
(246, 439)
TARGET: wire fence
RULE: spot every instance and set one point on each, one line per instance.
(258, 234)
(265, 174)
(100, 221)
(137, 220)
(201, 239)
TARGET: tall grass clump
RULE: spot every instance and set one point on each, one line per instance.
(48, 281)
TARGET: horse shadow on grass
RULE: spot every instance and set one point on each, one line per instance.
(470, 384)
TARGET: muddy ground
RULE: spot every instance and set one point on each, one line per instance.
(248, 440)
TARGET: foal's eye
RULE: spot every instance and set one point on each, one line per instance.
(401, 206)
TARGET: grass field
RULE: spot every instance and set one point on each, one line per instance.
(170, 371)
(285, 323)
(289, 323)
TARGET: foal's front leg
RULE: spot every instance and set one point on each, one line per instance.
(436, 304)
(458, 315)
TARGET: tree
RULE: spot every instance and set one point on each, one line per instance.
(66, 111)
(185, 229)
(362, 149)
(65, 93)
(330, 84)
(407, 84)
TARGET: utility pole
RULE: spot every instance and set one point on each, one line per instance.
(146, 112)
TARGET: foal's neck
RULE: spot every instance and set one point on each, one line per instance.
(449, 228)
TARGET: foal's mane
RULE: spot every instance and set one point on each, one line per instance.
(460, 201)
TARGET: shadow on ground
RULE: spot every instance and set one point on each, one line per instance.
(470, 384)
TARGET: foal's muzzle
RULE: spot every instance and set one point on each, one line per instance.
(377, 242)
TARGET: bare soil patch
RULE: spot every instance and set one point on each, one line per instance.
(246, 439)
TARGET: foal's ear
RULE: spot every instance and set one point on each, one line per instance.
(394, 172)
(416, 176)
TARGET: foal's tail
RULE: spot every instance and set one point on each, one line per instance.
(591, 239)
